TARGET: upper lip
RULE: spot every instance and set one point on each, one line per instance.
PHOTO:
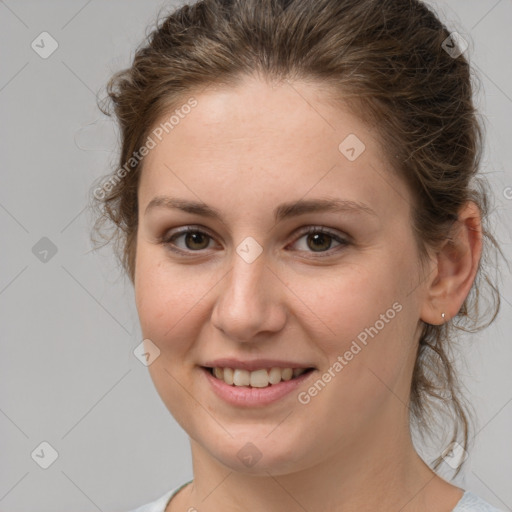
(255, 364)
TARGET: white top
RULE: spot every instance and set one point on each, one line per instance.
(468, 503)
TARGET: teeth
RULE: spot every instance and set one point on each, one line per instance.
(274, 375)
(241, 378)
(258, 378)
(228, 375)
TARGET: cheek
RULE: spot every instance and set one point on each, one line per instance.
(345, 304)
(165, 302)
(168, 299)
(367, 327)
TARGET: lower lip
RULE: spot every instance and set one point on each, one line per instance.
(252, 397)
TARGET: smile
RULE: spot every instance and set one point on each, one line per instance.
(259, 387)
(260, 378)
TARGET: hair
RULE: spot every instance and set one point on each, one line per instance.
(384, 58)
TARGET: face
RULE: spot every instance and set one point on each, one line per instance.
(251, 288)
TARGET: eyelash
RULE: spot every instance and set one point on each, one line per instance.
(168, 240)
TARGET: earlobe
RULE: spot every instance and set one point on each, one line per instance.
(456, 268)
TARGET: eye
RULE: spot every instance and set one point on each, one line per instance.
(320, 240)
(317, 240)
(194, 240)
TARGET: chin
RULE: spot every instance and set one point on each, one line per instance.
(255, 453)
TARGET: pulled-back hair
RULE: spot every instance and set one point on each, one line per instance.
(389, 60)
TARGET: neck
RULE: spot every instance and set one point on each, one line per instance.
(379, 471)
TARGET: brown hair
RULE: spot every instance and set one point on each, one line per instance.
(384, 56)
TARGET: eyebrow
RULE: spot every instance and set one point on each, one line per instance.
(281, 212)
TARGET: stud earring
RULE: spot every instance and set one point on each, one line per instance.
(443, 315)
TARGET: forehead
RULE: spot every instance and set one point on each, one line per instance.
(261, 142)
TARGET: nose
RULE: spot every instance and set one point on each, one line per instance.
(250, 302)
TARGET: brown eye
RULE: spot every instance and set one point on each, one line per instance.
(194, 240)
(319, 240)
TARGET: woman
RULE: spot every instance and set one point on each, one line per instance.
(298, 213)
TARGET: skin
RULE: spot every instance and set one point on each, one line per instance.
(244, 150)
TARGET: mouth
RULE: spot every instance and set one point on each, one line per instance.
(258, 378)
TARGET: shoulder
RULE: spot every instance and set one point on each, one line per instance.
(160, 504)
(472, 503)
(468, 503)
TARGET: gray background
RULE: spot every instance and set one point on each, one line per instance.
(69, 324)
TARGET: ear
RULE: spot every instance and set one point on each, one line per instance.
(456, 268)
